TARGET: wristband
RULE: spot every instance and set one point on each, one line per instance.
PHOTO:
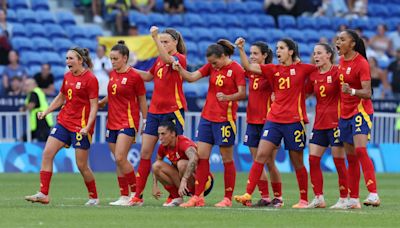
(144, 121)
(353, 92)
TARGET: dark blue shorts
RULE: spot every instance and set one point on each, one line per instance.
(293, 135)
(326, 137)
(221, 134)
(154, 120)
(253, 134)
(112, 135)
(356, 125)
(77, 140)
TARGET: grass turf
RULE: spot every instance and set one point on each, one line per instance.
(68, 194)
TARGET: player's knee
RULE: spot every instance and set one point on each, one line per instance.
(157, 166)
(181, 167)
(119, 159)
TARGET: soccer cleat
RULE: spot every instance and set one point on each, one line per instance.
(135, 201)
(169, 199)
(372, 200)
(92, 202)
(194, 201)
(277, 203)
(318, 202)
(262, 203)
(174, 202)
(301, 204)
(353, 203)
(38, 198)
(122, 201)
(340, 204)
(226, 202)
(243, 199)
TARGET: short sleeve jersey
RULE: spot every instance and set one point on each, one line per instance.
(259, 99)
(176, 153)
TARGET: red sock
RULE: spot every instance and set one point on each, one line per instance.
(91, 187)
(173, 191)
(353, 173)
(277, 189)
(141, 176)
(123, 186)
(254, 176)
(202, 171)
(229, 178)
(45, 178)
(368, 168)
(317, 180)
(302, 181)
(263, 187)
(131, 180)
(342, 176)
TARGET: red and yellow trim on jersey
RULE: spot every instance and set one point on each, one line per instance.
(130, 118)
(177, 97)
(268, 105)
(299, 109)
(230, 117)
(338, 108)
(180, 118)
(366, 117)
(83, 124)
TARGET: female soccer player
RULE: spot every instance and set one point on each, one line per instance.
(356, 115)
(260, 92)
(167, 101)
(217, 125)
(285, 119)
(325, 84)
(75, 122)
(126, 96)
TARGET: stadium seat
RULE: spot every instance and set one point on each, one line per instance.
(18, 4)
(86, 43)
(218, 7)
(55, 31)
(360, 23)
(75, 32)
(61, 45)
(66, 18)
(58, 72)
(329, 34)
(190, 7)
(11, 16)
(191, 48)
(26, 16)
(296, 35)
(175, 20)
(266, 21)
(256, 34)
(93, 31)
(31, 58)
(220, 33)
(204, 7)
(45, 17)
(274, 35)
(231, 21)
(237, 8)
(254, 8)
(286, 22)
(394, 10)
(214, 20)
(34, 69)
(42, 44)
(40, 5)
(202, 34)
(157, 19)
(22, 44)
(202, 47)
(236, 33)
(392, 23)
(193, 20)
(306, 22)
(305, 49)
(378, 10)
(338, 21)
(323, 23)
(138, 19)
(186, 33)
(312, 36)
(252, 21)
(35, 30)
(18, 30)
(53, 58)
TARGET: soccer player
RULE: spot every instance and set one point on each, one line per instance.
(356, 112)
(285, 119)
(260, 92)
(168, 100)
(75, 122)
(217, 125)
(126, 96)
(325, 85)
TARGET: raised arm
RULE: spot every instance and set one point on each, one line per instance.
(191, 153)
(255, 68)
(165, 57)
(188, 76)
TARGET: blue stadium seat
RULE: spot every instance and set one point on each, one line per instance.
(231, 21)
(202, 34)
(394, 9)
(214, 20)
(360, 23)
(157, 19)
(191, 48)
(31, 58)
(256, 34)
(53, 58)
(26, 16)
(75, 32)
(35, 30)
(204, 7)
(312, 36)
(175, 20)
(45, 17)
(22, 44)
(202, 47)
(338, 21)
(237, 8)
(266, 21)
(193, 20)
(66, 18)
(296, 35)
(392, 23)
(42, 44)
(323, 23)
(61, 45)
(252, 21)
(138, 19)
(374, 22)
(55, 31)
(220, 33)
(86, 43)
(329, 34)
(40, 5)
(18, 4)
(58, 72)
(186, 33)
(274, 35)
(191, 89)
(286, 22)
(369, 34)
(305, 49)
(11, 16)
(236, 33)
(34, 69)
(19, 30)
(306, 22)
(93, 31)
(378, 10)
(254, 7)
(190, 7)
(58, 82)
(218, 7)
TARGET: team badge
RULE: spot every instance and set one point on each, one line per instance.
(348, 70)
(329, 79)
(292, 72)
(229, 73)
(78, 85)
(123, 82)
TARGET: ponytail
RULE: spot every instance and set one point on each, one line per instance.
(84, 55)
(180, 47)
(359, 43)
(264, 48)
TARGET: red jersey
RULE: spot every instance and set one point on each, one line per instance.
(123, 103)
(326, 87)
(176, 153)
(353, 72)
(78, 90)
(225, 80)
(259, 100)
(288, 83)
(168, 93)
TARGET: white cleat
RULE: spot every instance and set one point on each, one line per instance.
(353, 203)
(92, 202)
(122, 201)
(174, 203)
(372, 200)
(340, 204)
(318, 202)
(38, 198)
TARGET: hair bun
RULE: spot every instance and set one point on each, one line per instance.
(121, 42)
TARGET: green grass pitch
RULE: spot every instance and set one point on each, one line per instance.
(68, 195)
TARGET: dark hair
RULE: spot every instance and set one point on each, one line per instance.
(83, 53)
(360, 46)
(169, 124)
(121, 48)
(292, 46)
(329, 49)
(180, 47)
(221, 47)
(104, 47)
(264, 50)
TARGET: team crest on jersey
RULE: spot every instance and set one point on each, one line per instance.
(78, 85)
(229, 73)
(66, 82)
(329, 79)
(123, 82)
(112, 78)
(292, 72)
(348, 70)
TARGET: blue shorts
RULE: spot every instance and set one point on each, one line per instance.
(253, 134)
(77, 140)
(112, 135)
(356, 125)
(293, 135)
(221, 134)
(326, 137)
(154, 120)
